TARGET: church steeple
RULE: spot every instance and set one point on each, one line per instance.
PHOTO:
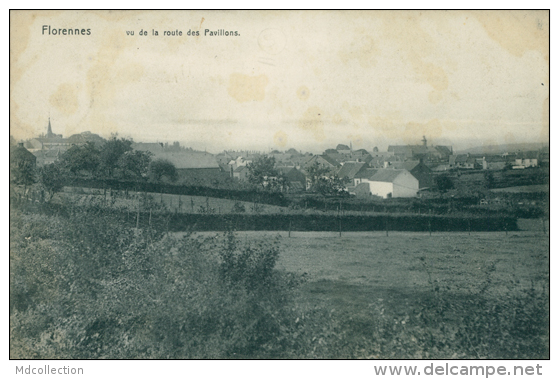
(49, 131)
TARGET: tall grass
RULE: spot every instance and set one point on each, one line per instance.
(85, 285)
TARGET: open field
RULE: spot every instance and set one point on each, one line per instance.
(174, 203)
(449, 278)
(524, 189)
(385, 266)
(87, 284)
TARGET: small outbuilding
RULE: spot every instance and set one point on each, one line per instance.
(388, 183)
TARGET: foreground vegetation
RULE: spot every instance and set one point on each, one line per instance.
(83, 285)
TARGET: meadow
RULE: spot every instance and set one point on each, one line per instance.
(436, 293)
(86, 284)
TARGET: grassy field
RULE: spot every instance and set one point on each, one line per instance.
(523, 189)
(435, 294)
(174, 203)
(85, 285)
(374, 266)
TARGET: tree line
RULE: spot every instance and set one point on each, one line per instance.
(115, 159)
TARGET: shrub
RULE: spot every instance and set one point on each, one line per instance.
(87, 287)
(238, 207)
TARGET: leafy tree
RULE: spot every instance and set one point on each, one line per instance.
(316, 172)
(134, 164)
(444, 183)
(111, 152)
(160, 169)
(50, 179)
(489, 179)
(22, 167)
(332, 186)
(79, 159)
(262, 172)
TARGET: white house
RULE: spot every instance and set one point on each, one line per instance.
(387, 183)
(529, 159)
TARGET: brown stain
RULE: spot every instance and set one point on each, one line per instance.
(356, 113)
(106, 77)
(280, 139)
(245, 88)
(432, 74)
(435, 96)
(22, 23)
(337, 119)
(517, 31)
(385, 126)
(117, 15)
(65, 99)
(414, 131)
(404, 28)
(303, 93)
(362, 49)
(312, 121)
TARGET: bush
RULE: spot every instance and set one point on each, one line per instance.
(238, 207)
(87, 287)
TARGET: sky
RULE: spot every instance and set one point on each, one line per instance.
(289, 79)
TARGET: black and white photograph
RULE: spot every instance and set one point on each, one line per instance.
(301, 185)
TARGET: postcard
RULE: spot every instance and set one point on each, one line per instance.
(279, 185)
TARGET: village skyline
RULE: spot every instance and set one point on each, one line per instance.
(460, 145)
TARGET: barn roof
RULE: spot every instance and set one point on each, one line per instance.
(350, 169)
(386, 175)
(188, 159)
(407, 165)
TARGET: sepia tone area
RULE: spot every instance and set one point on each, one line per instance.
(288, 184)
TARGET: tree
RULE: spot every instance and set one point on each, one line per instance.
(134, 164)
(111, 152)
(22, 166)
(444, 183)
(160, 169)
(50, 179)
(331, 186)
(79, 159)
(315, 172)
(262, 172)
(489, 179)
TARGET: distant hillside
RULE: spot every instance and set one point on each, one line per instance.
(510, 148)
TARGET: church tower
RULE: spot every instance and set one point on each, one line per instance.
(49, 131)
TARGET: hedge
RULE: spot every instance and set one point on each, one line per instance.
(273, 198)
(177, 222)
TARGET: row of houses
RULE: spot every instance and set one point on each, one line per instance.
(366, 175)
(515, 161)
(401, 171)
